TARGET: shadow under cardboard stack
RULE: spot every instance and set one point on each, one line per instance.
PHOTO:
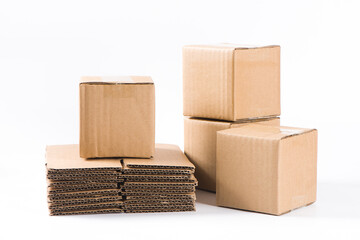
(164, 183)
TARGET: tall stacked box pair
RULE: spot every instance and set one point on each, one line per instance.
(233, 134)
(117, 167)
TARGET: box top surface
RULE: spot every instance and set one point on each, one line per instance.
(265, 131)
(166, 156)
(116, 80)
(68, 157)
(229, 46)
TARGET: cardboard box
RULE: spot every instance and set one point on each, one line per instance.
(266, 169)
(117, 117)
(200, 145)
(231, 82)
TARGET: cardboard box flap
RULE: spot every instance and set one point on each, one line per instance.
(116, 80)
(266, 132)
(166, 156)
(68, 157)
(230, 46)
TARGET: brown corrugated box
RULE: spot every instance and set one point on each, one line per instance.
(231, 82)
(117, 117)
(200, 145)
(266, 169)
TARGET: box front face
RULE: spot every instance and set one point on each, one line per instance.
(208, 82)
(257, 82)
(297, 171)
(246, 173)
(117, 120)
(200, 148)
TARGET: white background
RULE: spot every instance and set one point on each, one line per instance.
(46, 46)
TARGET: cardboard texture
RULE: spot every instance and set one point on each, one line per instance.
(92, 211)
(167, 156)
(67, 202)
(67, 157)
(84, 186)
(145, 195)
(158, 178)
(117, 117)
(84, 194)
(267, 169)
(185, 209)
(200, 145)
(231, 82)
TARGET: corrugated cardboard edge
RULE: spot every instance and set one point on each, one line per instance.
(80, 207)
(145, 195)
(98, 211)
(163, 191)
(140, 171)
(85, 194)
(65, 202)
(83, 188)
(157, 178)
(160, 201)
(157, 206)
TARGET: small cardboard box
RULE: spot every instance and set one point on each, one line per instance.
(117, 117)
(231, 82)
(266, 169)
(200, 145)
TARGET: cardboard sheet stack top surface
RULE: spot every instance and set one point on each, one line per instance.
(164, 183)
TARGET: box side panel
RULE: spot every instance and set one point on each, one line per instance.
(297, 171)
(117, 120)
(208, 82)
(246, 173)
(200, 148)
(257, 82)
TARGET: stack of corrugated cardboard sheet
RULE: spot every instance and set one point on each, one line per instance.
(164, 183)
